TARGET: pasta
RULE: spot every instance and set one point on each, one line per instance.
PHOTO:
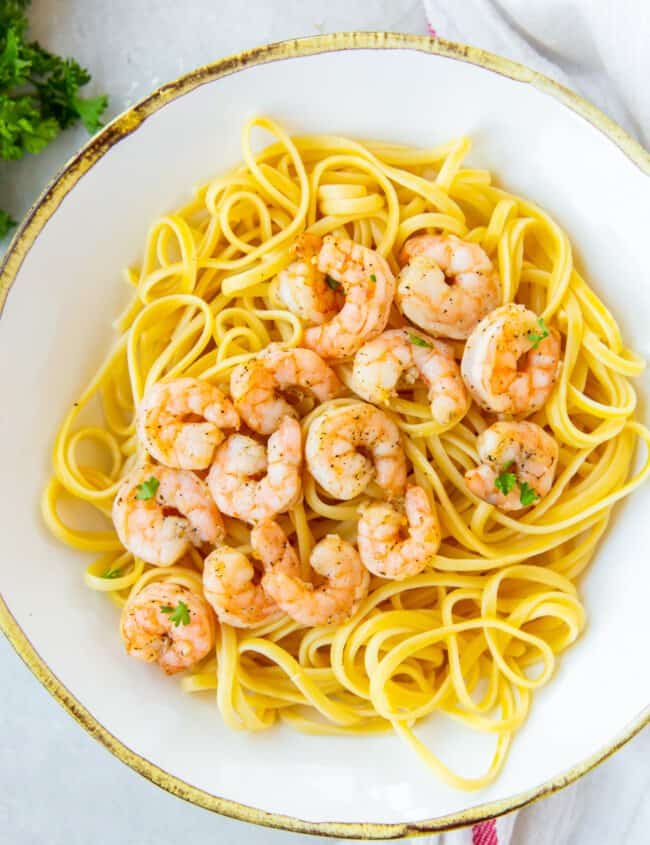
(482, 627)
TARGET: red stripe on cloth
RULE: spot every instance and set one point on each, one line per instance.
(485, 833)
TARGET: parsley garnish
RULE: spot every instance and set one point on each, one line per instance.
(373, 278)
(535, 337)
(527, 496)
(147, 490)
(112, 573)
(332, 283)
(179, 615)
(420, 341)
(505, 481)
(6, 223)
(39, 92)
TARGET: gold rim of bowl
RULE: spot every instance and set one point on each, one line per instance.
(39, 214)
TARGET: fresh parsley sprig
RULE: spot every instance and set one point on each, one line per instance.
(527, 496)
(179, 615)
(537, 337)
(147, 490)
(39, 93)
(505, 483)
(416, 340)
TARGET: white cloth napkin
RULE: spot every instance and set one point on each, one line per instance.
(601, 49)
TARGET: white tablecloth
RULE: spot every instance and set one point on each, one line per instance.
(57, 785)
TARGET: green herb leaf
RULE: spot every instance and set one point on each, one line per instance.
(536, 337)
(373, 278)
(90, 110)
(23, 129)
(39, 91)
(147, 490)
(14, 64)
(416, 340)
(6, 223)
(332, 283)
(179, 615)
(505, 481)
(12, 14)
(527, 496)
(112, 573)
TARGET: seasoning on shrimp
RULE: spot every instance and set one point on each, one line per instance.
(345, 581)
(395, 545)
(304, 288)
(401, 356)
(509, 365)
(368, 285)
(167, 624)
(257, 386)
(160, 512)
(447, 285)
(334, 457)
(229, 584)
(518, 462)
(181, 422)
(250, 481)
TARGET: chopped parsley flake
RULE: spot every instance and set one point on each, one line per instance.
(527, 496)
(179, 615)
(505, 481)
(536, 337)
(332, 283)
(147, 490)
(416, 340)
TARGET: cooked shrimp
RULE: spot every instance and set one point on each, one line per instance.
(333, 457)
(511, 361)
(230, 587)
(168, 624)
(180, 422)
(257, 386)
(368, 285)
(406, 355)
(383, 546)
(250, 481)
(160, 512)
(303, 288)
(518, 462)
(336, 561)
(447, 285)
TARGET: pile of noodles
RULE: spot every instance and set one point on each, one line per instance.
(475, 634)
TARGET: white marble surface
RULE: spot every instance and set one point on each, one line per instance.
(57, 785)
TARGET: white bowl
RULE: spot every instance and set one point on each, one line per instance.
(64, 270)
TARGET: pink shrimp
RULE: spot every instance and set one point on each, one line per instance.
(159, 513)
(447, 285)
(181, 422)
(511, 361)
(168, 624)
(368, 285)
(385, 547)
(345, 582)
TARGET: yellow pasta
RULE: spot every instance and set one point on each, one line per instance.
(474, 635)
